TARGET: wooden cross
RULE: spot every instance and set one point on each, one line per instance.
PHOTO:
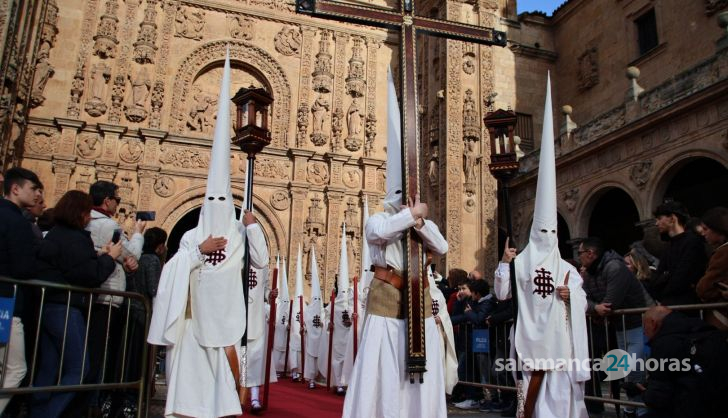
(409, 24)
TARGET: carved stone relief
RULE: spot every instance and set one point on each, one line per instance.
(352, 179)
(201, 117)
(381, 180)
(272, 169)
(469, 58)
(131, 151)
(470, 205)
(100, 74)
(354, 119)
(241, 27)
(164, 186)
(322, 75)
(89, 146)
(86, 177)
(145, 46)
(318, 173)
(571, 198)
(105, 39)
(288, 41)
(471, 158)
(320, 111)
(189, 23)
(314, 232)
(640, 173)
(355, 83)
(280, 200)
(337, 126)
(183, 157)
(372, 49)
(43, 69)
(471, 118)
(42, 141)
(135, 108)
(170, 11)
(588, 75)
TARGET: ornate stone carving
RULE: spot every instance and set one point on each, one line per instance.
(145, 46)
(320, 111)
(73, 109)
(352, 179)
(337, 125)
(140, 85)
(314, 231)
(100, 74)
(322, 76)
(354, 120)
(201, 117)
(157, 100)
(318, 173)
(355, 83)
(164, 186)
(571, 198)
(371, 134)
(432, 174)
(288, 41)
(189, 23)
(86, 177)
(105, 39)
(88, 146)
(117, 97)
(240, 51)
(302, 125)
(471, 158)
(183, 157)
(272, 169)
(131, 151)
(640, 173)
(471, 119)
(469, 205)
(280, 200)
(588, 75)
(42, 141)
(241, 27)
(381, 180)
(372, 49)
(469, 58)
(170, 10)
(43, 71)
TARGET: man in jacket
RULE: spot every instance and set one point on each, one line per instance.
(18, 245)
(610, 285)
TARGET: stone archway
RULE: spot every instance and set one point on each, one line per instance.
(698, 181)
(612, 215)
(190, 200)
(244, 54)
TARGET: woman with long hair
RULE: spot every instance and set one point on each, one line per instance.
(713, 286)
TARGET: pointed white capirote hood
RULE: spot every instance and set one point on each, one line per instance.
(342, 281)
(218, 210)
(315, 282)
(544, 214)
(299, 274)
(283, 292)
(393, 199)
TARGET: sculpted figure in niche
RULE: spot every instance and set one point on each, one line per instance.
(43, 71)
(319, 109)
(471, 158)
(189, 23)
(88, 146)
(288, 41)
(140, 87)
(354, 119)
(100, 74)
(201, 114)
(432, 171)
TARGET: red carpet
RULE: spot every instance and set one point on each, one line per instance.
(292, 400)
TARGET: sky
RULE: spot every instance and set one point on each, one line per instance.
(547, 6)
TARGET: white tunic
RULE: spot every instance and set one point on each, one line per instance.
(200, 382)
(562, 391)
(258, 313)
(379, 384)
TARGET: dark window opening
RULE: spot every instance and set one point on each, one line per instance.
(646, 31)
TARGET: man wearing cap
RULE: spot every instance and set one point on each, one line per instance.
(199, 311)
(682, 265)
(379, 385)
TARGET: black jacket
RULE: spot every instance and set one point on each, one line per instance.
(18, 246)
(682, 265)
(610, 281)
(67, 256)
(699, 390)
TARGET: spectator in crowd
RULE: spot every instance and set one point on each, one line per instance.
(637, 263)
(46, 221)
(33, 213)
(18, 245)
(697, 391)
(67, 256)
(684, 261)
(715, 231)
(475, 275)
(610, 285)
(455, 279)
(106, 314)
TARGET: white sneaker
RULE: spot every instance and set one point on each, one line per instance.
(467, 404)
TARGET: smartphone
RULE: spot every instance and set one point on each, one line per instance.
(146, 215)
(117, 236)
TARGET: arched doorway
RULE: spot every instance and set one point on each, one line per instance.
(699, 184)
(564, 235)
(614, 220)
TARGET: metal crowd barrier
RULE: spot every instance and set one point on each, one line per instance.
(479, 364)
(110, 357)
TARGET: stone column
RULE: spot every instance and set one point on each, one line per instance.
(151, 138)
(147, 177)
(335, 196)
(69, 130)
(299, 194)
(62, 168)
(111, 135)
(336, 167)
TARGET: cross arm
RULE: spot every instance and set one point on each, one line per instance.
(368, 15)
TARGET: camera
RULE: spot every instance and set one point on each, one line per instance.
(146, 215)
